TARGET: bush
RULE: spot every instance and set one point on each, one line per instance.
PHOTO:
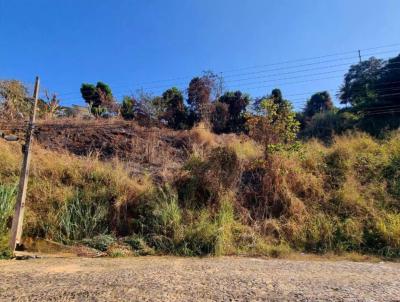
(5, 252)
(206, 180)
(392, 175)
(337, 166)
(200, 237)
(100, 242)
(138, 245)
(326, 125)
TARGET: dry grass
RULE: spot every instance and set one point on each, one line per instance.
(56, 178)
(227, 199)
(201, 134)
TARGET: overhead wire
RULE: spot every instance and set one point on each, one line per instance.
(281, 68)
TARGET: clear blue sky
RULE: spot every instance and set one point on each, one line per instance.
(126, 43)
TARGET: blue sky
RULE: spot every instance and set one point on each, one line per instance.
(131, 44)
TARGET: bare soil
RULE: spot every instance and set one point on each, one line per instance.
(195, 279)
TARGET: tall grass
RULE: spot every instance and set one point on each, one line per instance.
(226, 200)
(79, 219)
(7, 201)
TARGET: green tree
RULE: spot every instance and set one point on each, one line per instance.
(318, 103)
(384, 113)
(359, 87)
(99, 98)
(276, 126)
(127, 109)
(371, 88)
(220, 117)
(236, 104)
(175, 113)
(324, 125)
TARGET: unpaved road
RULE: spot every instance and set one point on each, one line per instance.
(194, 279)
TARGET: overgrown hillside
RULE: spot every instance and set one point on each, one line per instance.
(198, 193)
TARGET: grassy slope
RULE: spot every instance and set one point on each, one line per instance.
(228, 200)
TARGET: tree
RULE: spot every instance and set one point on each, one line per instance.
(220, 117)
(175, 113)
(99, 98)
(319, 102)
(202, 92)
(276, 127)
(359, 87)
(371, 88)
(14, 102)
(236, 104)
(382, 113)
(388, 88)
(324, 125)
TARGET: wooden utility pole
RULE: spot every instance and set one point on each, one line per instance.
(16, 230)
(359, 55)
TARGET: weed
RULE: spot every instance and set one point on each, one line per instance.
(82, 219)
(7, 201)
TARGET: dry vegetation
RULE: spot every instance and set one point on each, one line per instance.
(195, 193)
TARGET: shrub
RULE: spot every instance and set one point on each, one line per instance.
(5, 252)
(200, 237)
(138, 245)
(158, 213)
(392, 175)
(318, 234)
(337, 165)
(100, 242)
(388, 229)
(206, 180)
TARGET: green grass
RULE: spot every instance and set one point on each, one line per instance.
(7, 202)
(80, 219)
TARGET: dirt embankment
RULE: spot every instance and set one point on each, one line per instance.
(153, 149)
(191, 279)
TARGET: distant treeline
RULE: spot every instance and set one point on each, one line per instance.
(370, 91)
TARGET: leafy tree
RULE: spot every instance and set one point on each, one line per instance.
(360, 83)
(385, 112)
(99, 98)
(325, 124)
(319, 102)
(371, 87)
(276, 96)
(175, 113)
(14, 103)
(276, 127)
(236, 105)
(220, 117)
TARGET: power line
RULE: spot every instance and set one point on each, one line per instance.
(244, 85)
(282, 68)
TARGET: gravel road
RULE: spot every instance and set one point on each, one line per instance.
(194, 279)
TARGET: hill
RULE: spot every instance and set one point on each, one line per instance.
(122, 188)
